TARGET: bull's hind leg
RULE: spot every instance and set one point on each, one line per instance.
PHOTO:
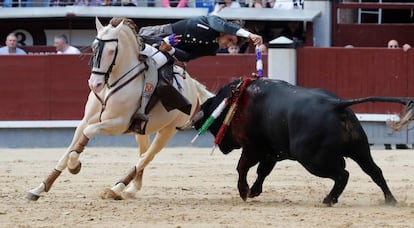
(263, 170)
(333, 169)
(368, 165)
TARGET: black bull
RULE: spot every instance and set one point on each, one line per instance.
(275, 121)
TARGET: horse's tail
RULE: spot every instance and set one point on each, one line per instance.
(202, 93)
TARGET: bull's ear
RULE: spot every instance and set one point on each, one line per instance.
(99, 25)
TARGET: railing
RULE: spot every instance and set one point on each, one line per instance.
(147, 3)
(345, 29)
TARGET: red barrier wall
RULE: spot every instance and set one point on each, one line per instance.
(359, 72)
(54, 87)
(43, 87)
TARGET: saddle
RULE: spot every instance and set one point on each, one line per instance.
(164, 92)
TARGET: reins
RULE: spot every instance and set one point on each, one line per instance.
(112, 92)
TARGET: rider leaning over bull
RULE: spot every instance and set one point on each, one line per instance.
(185, 40)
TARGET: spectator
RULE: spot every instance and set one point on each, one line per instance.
(56, 3)
(225, 3)
(11, 46)
(107, 3)
(176, 3)
(88, 3)
(270, 4)
(394, 44)
(256, 4)
(233, 49)
(124, 3)
(287, 4)
(62, 46)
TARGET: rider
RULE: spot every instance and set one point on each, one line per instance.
(190, 39)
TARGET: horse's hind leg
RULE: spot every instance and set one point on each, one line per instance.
(160, 140)
(115, 192)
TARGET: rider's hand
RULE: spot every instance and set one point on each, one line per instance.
(172, 39)
(257, 40)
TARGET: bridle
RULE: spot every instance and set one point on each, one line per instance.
(95, 60)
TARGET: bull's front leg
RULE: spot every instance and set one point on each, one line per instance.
(245, 163)
(263, 170)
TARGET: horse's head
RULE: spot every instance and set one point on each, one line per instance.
(110, 51)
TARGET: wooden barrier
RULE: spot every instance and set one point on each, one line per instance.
(359, 72)
(54, 87)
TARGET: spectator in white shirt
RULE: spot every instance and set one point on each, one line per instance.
(62, 46)
(11, 46)
(220, 4)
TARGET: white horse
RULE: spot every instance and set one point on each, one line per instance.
(116, 82)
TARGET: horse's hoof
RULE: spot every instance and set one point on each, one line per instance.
(110, 194)
(128, 195)
(32, 197)
(76, 170)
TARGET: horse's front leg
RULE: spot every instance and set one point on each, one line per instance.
(60, 166)
(115, 126)
(160, 140)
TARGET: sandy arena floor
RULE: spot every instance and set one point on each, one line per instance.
(186, 187)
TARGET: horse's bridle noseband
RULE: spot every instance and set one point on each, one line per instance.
(95, 60)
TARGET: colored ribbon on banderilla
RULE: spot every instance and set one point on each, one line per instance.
(216, 113)
(259, 62)
(230, 113)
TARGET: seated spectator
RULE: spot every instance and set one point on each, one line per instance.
(11, 46)
(107, 3)
(270, 3)
(256, 4)
(394, 44)
(225, 3)
(175, 3)
(54, 3)
(62, 46)
(88, 3)
(233, 49)
(124, 3)
(287, 4)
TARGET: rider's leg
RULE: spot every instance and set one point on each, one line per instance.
(151, 78)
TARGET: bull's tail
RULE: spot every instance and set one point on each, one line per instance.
(405, 119)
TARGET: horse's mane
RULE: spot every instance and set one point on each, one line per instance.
(115, 21)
